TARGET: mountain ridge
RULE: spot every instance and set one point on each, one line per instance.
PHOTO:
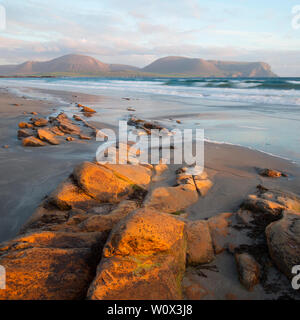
(172, 65)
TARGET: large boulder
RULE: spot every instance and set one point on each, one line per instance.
(283, 238)
(144, 258)
(199, 243)
(248, 270)
(101, 183)
(50, 266)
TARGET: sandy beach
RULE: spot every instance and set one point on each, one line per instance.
(28, 175)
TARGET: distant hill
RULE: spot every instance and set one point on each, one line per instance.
(74, 64)
(209, 68)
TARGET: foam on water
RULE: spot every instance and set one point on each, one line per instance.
(258, 91)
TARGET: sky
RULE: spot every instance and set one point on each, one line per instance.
(137, 32)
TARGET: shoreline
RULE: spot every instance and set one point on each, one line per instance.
(72, 153)
(101, 102)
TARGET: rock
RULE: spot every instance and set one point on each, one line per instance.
(24, 133)
(6, 146)
(50, 266)
(56, 131)
(101, 223)
(44, 219)
(178, 121)
(130, 109)
(69, 139)
(144, 258)
(199, 243)
(83, 137)
(40, 122)
(69, 128)
(68, 195)
(23, 125)
(172, 199)
(65, 124)
(267, 207)
(283, 238)
(101, 183)
(47, 136)
(33, 142)
(272, 203)
(137, 174)
(87, 110)
(34, 113)
(219, 230)
(248, 270)
(271, 173)
(77, 118)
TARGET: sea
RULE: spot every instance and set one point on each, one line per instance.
(258, 113)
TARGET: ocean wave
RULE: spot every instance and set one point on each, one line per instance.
(256, 91)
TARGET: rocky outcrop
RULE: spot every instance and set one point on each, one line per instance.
(144, 258)
(283, 238)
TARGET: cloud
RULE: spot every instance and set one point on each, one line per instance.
(138, 31)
